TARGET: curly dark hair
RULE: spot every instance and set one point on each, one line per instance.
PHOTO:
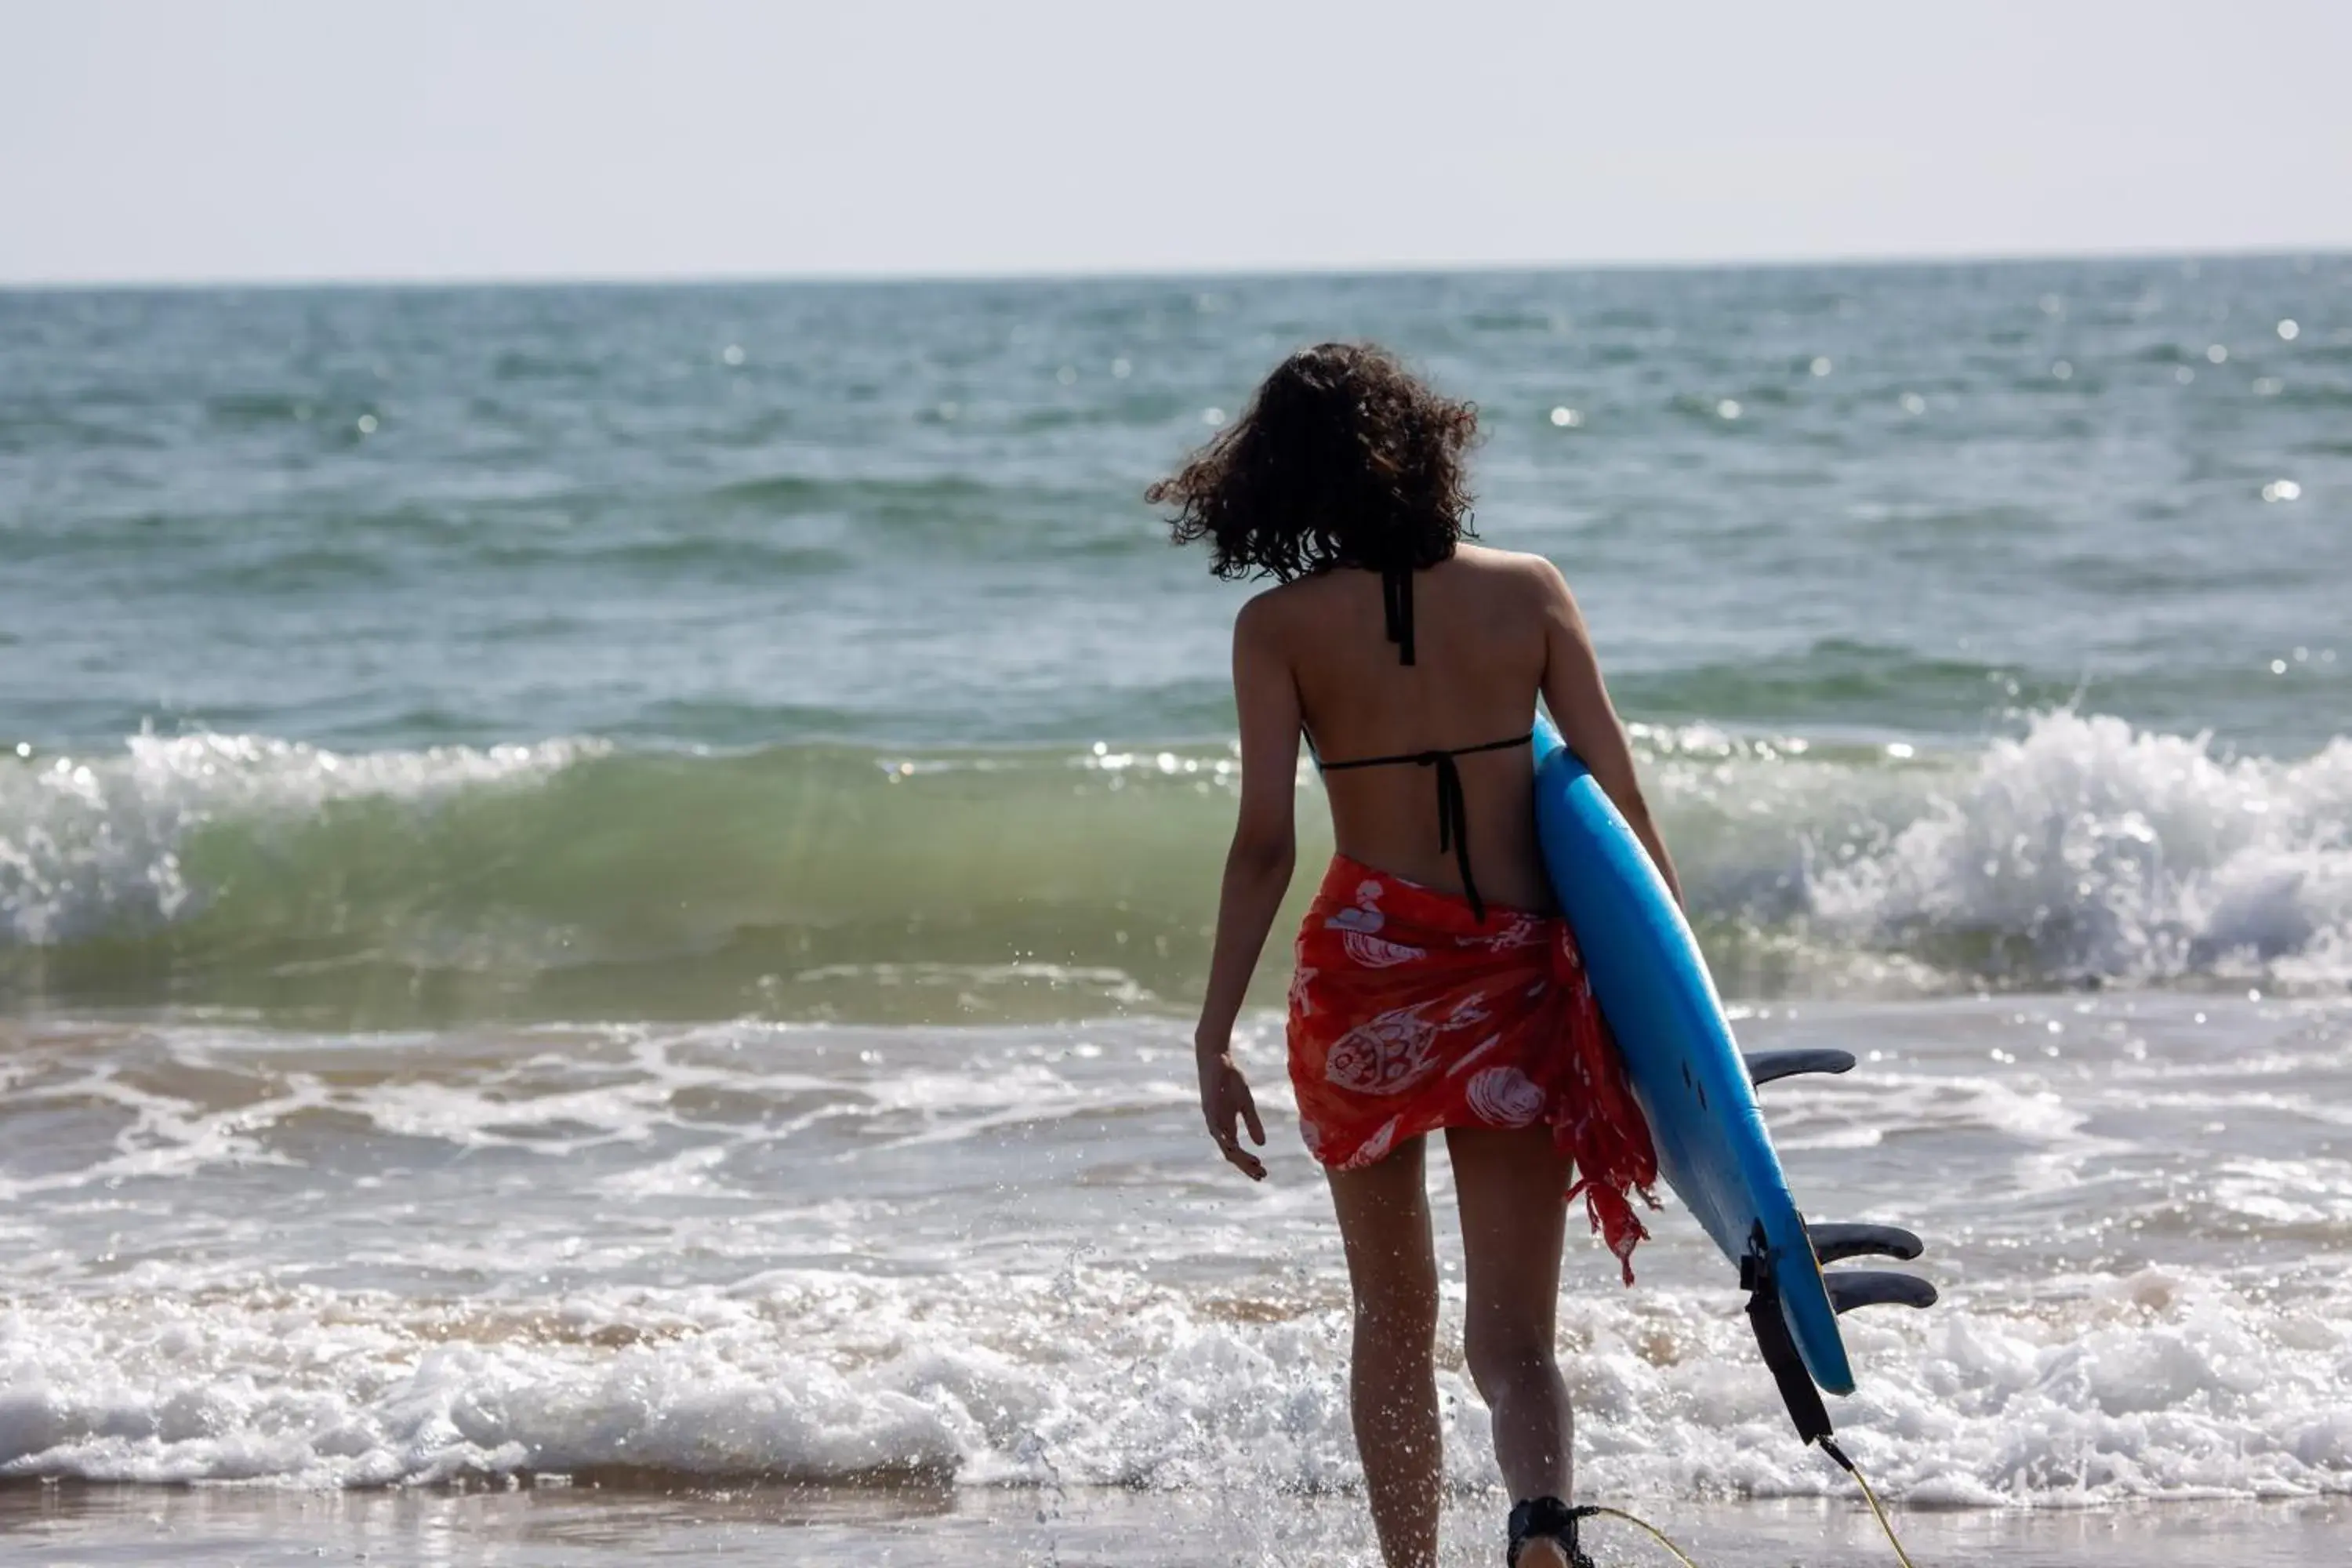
(1344, 458)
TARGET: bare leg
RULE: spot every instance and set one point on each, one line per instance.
(1510, 1187)
(1393, 1378)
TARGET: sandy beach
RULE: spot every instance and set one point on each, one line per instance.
(62, 1526)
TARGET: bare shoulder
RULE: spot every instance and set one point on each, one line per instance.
(1531, 574)
(1265, 618)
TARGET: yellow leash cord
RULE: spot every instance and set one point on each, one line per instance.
(1829, 1445)
(1655, 1533)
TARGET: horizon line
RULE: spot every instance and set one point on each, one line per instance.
(1147, 273)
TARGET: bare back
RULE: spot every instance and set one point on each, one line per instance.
(1480, 635)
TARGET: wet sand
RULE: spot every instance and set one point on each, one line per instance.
(215, 1527)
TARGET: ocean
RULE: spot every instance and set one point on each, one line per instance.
(602, 888)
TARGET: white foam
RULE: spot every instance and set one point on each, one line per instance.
(88, 844)
(2101, 849)
(2161, 1384)
(631, 1247)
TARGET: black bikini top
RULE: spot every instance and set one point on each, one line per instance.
(1453, 819)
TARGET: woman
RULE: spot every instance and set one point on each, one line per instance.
(1435, 987)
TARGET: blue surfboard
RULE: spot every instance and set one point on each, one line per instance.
(1686, 1070)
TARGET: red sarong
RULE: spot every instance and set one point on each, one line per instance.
(1408, 1014)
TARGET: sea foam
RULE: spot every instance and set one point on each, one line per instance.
(2088, 848)
(2160, 1385)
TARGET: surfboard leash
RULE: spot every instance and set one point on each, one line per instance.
(1798, 1392)
(1655, 1533)
(1829, 1444)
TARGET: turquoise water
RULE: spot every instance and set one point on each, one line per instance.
(603, 886)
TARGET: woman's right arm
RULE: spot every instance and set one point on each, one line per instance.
(1257, 873)
(1578, 701)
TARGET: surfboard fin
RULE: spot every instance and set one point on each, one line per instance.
(1876, 1288)
(1834, 1243)
(1768, 1066)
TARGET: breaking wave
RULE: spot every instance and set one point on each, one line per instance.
(571, 879)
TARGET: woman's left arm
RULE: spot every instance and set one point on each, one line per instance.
(1257, 873)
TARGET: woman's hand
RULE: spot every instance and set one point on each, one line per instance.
(1225, 1101)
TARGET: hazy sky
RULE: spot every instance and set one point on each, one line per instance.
(303, 139)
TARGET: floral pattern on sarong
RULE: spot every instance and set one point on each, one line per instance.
(1374, 1148)
(1410, 1014)
(1519, 931)
(1386, 1055)
(1374, 954)
(1364, 918)
(1506, 1097)
(1302, 990)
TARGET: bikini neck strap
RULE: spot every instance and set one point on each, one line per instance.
(1396, 602)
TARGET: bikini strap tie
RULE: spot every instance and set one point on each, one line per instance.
(1453, 811)
(1454, 824)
